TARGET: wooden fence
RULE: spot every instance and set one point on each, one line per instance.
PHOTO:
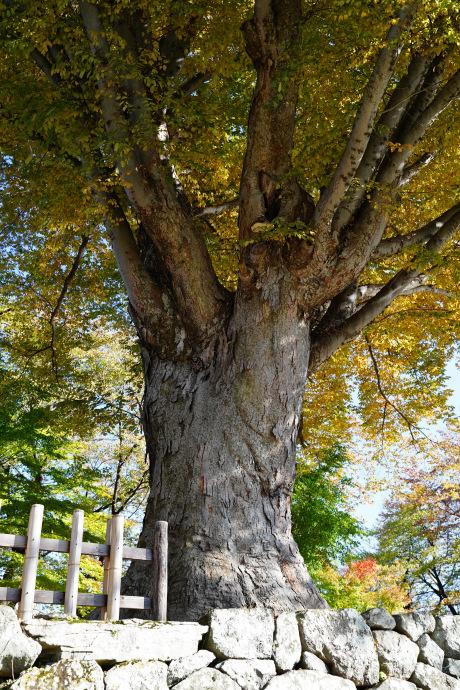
(113, 552)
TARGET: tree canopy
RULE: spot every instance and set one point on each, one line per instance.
(278, 182)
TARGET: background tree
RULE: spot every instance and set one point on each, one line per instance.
(69, 406)
(364, 584)
(324, 526)
(142, 110)
(420, 528)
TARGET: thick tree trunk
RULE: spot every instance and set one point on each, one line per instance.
(222, 440)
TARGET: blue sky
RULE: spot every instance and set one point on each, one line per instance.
(370, 512)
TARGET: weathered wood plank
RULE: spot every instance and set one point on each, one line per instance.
(73, 568)
(83, 599)
(105, 583)
(29, 569)
(16, 541)
(116, 562)
(160, 572)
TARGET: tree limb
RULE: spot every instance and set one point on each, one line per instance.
(45, 66)
(328, 342)
(382, 133)
(367, 291)
(363, 123)
(192, 84)
(52, 320)
(388, 402)
(215, 210)
(415, 168)
(199, 297)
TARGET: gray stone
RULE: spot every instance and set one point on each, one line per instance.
(186, 665)
(17, 651)
(379, 619)
(208, 679)
(396, 684)
(250, 674)
(429, 678)
(112, 643)
(343, 640)
(75, 675)
(309, 680)
(286, 647)
(137, 675)
(241, 633)
(430, 652)
(311, 662)
(414, 624)
(447, 635)
(451, 667)
(397, 654)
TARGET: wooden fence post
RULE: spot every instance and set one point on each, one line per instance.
(73, 568)
(116, 560)
(105, 583)
(160, 572)
(29, 572)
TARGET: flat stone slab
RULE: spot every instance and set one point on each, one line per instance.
(17, 651)
(286, 646)
(447, 635)
(137, 675)
(71, 675)
(250, 674)
(342, 640)
(113, 643)
(309, 680)
(208, 679)
(241, 633)
(429, 678)
(397, 653)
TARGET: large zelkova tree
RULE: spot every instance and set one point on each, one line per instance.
(332, 127)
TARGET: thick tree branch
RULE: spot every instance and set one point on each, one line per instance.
(329, 340)
(144, 296)
(413, 132)
(363, 123)
(198, 295)
(383, 131)
(365, 292)
(271, 36)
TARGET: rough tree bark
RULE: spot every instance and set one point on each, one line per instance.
(222, 439)
(224, 373)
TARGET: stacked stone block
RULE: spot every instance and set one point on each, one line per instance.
(236, 649)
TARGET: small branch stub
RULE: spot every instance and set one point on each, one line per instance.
(29, 573)
(73, 570)
(160, 572)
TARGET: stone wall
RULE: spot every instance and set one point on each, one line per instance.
(236, 649)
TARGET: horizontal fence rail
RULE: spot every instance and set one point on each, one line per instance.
(113, 552)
